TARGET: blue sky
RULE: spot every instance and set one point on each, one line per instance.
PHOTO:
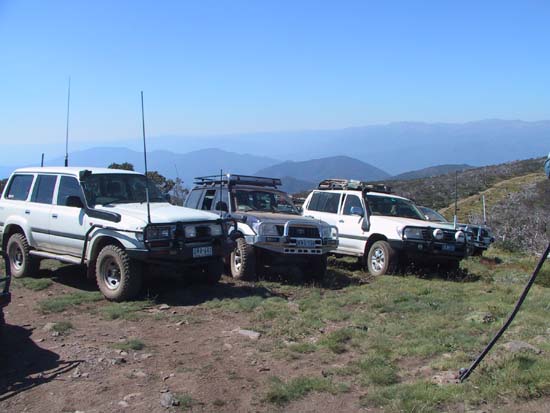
(231, 66)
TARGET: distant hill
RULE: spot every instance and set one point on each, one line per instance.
(432, 171)
(170, 164)
(316, 170)
(293, 185)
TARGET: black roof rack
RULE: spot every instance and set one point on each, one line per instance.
(352, 184)
(230, 179)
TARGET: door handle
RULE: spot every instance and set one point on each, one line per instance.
(341, 221)
(27, 211)
(54, 216)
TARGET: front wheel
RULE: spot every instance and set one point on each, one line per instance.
(243, 261)
(22, 264)
(381, 258)
(118, 277)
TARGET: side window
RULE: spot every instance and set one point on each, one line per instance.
(68, 186)
(19, 187)
(208, 200)
(43, 189)
(351, 201)
(193, 198)
(224, 197)
(325, 202)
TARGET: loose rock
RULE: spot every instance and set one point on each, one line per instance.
(168, 400)
(253, 335)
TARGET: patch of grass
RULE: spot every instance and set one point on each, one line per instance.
(337, 340)
(125, 311)
(185, 401)
(62, 327)
(63, 302)
(132, 344)
(378, 370)
(245, 304)
(282, 393)
(35, 284)
(303, 348)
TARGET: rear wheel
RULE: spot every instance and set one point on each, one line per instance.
(118, 277)
(381, 259)
(22, 264)
(243, 262)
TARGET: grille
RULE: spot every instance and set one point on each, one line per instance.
(203, 231)
(299, 232)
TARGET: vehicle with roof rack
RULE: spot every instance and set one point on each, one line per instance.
(382, 229)
(270, 230)
(116, 222)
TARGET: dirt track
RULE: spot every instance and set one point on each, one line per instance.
(191, 352)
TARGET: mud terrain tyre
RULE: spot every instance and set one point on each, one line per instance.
(22, 264)
(243, 261)
(118, 277)
(316, 268)
(2, 322)
(381, 259)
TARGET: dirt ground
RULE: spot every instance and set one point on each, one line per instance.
(193, 353)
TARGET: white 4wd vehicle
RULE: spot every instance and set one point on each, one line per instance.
(269, 229)
(99, 217)
(381, 228)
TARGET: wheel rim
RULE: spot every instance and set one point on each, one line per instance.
(237, 260)
(378, 260)
(16, 255)
(110, 273)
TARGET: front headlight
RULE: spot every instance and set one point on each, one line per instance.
(412, 233)
(216, 230)
(269, 230)
(160, 232)
(329, 232)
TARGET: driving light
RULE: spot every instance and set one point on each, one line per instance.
(438, 234)
(190, 231)
(269, 229)
(459, 236)
(216, 230)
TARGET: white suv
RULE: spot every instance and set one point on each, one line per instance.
(101, 218)
(381, 228)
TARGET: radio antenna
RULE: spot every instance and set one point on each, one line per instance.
(67, 128)
(456, 200)
(42, 161)
(145, 160)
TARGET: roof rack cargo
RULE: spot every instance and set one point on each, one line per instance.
(230, 179)
(352, 184)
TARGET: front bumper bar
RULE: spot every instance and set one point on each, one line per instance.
(430, 249)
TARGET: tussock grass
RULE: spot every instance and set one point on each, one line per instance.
(282, 393)
(62, 327)
(34, 284)
(126, 311)
(132, 344)
(63, 302)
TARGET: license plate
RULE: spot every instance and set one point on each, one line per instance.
(202, 252)
(448, 247)
(305, 243)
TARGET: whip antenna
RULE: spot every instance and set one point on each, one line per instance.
(67, 128)
(145, 160)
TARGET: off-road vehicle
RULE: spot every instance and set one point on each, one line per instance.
(383, 229)
(479, 237)
(270, 230)
(112, 221)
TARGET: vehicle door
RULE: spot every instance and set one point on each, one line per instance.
(352, 237)
(40, 208)
(325, 206)
(68, 224)
(15, 199)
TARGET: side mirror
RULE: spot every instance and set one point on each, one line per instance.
(222, 206)
(300, 209)
(74, 201)
(355, 210)
(365, 224)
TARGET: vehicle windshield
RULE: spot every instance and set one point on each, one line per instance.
(432, 215)
(390, 206)
(104, 189)
(264, 201)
